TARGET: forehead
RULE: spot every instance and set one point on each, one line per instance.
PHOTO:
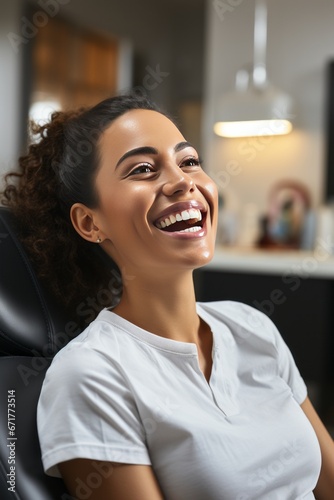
(136, 128)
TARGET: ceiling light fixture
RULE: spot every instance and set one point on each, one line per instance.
(255, 108)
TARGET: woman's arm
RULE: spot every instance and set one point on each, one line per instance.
(325, 486)
(104, 480)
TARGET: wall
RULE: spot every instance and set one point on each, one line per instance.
(167, 39)
(300, 42)
(10, 86)
(166, 36)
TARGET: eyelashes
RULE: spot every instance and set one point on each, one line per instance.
(191, 162)
(147, 168)
(143, 168)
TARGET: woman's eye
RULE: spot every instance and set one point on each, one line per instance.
(144, 168)
(191, 162)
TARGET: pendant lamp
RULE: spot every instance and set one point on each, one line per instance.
(255, 107)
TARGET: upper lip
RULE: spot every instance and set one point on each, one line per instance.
(179, 207)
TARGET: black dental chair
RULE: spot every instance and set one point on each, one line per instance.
(32, 329)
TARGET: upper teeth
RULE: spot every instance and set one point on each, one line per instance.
(193, 213)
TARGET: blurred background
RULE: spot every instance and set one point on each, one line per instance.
(185, 54)
(76, 52)
(276, 227)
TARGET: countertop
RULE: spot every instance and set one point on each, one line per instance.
(317, 263)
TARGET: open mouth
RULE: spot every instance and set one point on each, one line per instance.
(185, 221)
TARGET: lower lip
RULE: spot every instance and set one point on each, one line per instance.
(186, 235)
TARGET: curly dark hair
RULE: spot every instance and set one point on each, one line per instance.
(57, 172)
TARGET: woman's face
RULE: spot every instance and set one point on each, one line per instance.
(157, 207)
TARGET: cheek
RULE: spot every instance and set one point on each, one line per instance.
(127, 206)
(210, 191)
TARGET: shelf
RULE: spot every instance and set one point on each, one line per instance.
(318, 263)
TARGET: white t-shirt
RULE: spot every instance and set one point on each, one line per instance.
(122, 394)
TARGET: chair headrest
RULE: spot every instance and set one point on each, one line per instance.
(31, 320)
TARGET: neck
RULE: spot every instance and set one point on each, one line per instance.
(165, 307)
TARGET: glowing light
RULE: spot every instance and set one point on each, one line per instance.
(252, 128)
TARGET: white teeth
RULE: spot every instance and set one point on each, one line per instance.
(193, 229)
(192, 213)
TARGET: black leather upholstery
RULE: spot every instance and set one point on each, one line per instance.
(30, 319)
(32, 329)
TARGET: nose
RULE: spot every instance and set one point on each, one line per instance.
(177, 182)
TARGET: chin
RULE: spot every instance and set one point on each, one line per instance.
(198, 259)
(206, 259)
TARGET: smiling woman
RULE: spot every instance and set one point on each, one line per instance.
(160, 396)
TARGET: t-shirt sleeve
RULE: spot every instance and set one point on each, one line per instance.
(288, 369)
(86, 410)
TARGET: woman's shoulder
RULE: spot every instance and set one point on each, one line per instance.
(237, 311)
(98, 342)
(98, 357)
(244, 321)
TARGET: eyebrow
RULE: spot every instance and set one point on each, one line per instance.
(183, 145)
(152, 151)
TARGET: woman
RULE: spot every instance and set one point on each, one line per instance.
(159, 397)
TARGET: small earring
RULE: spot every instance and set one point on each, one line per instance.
(98, 240)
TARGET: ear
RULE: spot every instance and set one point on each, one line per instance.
(82, 219)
